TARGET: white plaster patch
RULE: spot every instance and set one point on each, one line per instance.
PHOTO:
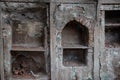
(74, 14)
(61, 7)
(115, 53)
(119, 62)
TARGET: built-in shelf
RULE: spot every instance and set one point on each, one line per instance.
(74, 57)
(75, 39)
(75, 47)
(24, 48)
(111, 25)
(41, 77)
(112, 29)
(112, 16)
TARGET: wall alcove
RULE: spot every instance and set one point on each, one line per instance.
(112, 29)
(75, 39)
(27, 63)
(27, 55)
(75, 34)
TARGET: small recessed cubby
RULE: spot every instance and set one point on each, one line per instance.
(27, 34)
(112, 18)
(74, 57)
(112, 37)
(75, 39)
(112, 29)
(28, 65)
(29, 27)
(74, 34)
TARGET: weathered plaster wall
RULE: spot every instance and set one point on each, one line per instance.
(103, 63)
(109, 1)
(110, 64)
(61, 15)
(109, 55)
(23, 25)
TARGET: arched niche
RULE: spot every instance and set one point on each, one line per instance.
(75, 34)
(75, 39)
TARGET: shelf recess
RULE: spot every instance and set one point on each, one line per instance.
(75, 47)
(112, 25)
(24, 48)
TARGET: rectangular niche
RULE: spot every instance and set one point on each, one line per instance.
(112, 37)
(112, 18)
(74, 57)
(28, 22)
(112, 29)
(28, 65)
(27, 34)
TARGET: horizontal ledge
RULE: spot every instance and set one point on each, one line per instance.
(112, 24)
(112, 48)
(25, 1)
(51, 1)
(76, 47)
(42, 78)
(23, 48)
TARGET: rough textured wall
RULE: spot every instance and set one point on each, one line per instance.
(110, 64)
(109, 42)
(109, 1)
(63, 14)
(24, 26)
(104, 61)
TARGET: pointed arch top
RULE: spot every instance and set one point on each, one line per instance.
(75, 23)
(75, 33)
(86, 22)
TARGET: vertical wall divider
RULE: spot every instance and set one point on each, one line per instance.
(1, 48)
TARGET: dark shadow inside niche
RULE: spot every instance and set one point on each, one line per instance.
(75, 33)
(112, 37)
(112, 29)
(28, 65)
(74, 57)
(24, 34)
(112, 17)
(28, 21)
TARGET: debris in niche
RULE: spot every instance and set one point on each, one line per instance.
(27, 65)
(34, 74)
